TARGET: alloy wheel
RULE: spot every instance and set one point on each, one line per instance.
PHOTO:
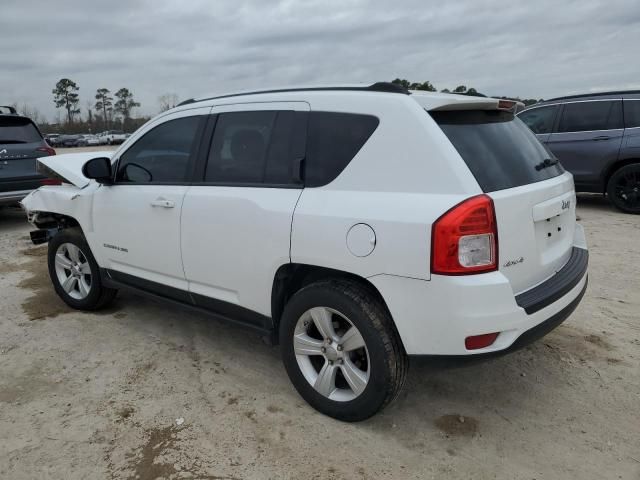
(627, 189)
(332, 354)
(73, 271)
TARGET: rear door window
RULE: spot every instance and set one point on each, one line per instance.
(333, 140)
(591, 116)
(253, 147)
(632, 113)
(540, 119)
(499, 149)
(18, 130)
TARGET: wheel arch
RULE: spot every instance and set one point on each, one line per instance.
(291, 277)
(46, 220)
(616, 166)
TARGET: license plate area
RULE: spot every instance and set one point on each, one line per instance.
(554, 237)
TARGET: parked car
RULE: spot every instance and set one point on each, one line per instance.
(353, 225)
(20, 144)
(88, 141)
(69, 141)
(596, 137)
(112, 137)
(51, 138)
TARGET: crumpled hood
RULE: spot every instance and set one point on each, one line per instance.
(70, 165)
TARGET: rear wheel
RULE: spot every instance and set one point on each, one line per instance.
(623, 188)
(341, 350)
(74, 272)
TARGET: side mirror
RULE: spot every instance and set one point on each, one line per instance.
(99, 169)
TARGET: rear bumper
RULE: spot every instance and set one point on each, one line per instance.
(557, 286)
(434, 317)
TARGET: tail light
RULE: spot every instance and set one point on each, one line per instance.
(50, 181)
(47, 150)
(465, 239)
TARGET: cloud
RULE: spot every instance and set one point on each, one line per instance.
(199, 47)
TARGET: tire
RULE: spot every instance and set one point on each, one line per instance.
(84, 290)
(623, 188)
(380, 366)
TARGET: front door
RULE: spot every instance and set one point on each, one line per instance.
(236, 224)
(137, 220)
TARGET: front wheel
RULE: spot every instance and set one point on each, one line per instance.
(623, 188)
(341, 350)
(74, 272)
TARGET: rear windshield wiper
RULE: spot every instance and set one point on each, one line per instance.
(547, 162)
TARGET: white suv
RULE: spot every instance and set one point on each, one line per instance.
(356, 226)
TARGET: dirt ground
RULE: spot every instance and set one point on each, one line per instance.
(145, 391)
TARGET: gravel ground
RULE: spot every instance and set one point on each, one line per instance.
(97, 148)
(145, 391)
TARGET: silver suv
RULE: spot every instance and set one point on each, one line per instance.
(596, 137)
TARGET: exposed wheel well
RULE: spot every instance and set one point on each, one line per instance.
(293, 276)
(46, 220)
(614, 167)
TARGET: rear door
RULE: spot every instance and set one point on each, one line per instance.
(533, 197)
(19, 144)
(236, 221)
(588, 138)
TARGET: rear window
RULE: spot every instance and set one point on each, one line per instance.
(18, 130)
(498, 148)
(333, 140)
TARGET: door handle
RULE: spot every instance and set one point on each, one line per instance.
(161, 202)
(601, 137)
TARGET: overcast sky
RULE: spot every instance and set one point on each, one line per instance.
(193, 48)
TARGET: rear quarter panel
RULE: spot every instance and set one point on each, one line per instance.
(399, 183)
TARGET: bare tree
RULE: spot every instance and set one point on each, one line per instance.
(168, 101)
(89, 116)
(31, 112)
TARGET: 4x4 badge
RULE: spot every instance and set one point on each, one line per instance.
(511, 263)
(566, 204)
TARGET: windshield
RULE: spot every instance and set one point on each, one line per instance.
(498, 148)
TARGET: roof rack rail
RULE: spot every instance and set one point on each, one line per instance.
(596, 94)
(386, 87)
(12, 110)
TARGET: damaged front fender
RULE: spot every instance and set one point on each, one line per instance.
(51, 206)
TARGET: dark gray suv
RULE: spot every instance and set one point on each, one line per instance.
(597, 138)
(21, 143)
